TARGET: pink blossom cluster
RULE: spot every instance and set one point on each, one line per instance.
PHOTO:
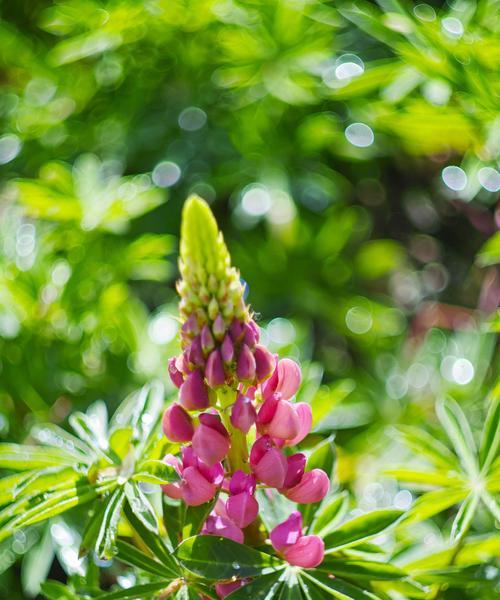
(230, 360)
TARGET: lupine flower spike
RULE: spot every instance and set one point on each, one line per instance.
(235, 415)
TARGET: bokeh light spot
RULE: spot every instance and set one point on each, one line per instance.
(192, 118)
(454, 177)
(359, 320)
(360, 135)
(489, 178)
(10, 146)
(166, 174)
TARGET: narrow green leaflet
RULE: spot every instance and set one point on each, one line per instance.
(20, 457)
(361, 528)
(54, 590)
(193, 517)
(9, 484)
(141, 506)
(106, 537)
(490, 439)
(424, 478)
(457, 427)
(53, 435)
(356, 569)
(146, 591)
(219, 558)
(335, 587)
(267, 587)
(36, 564)
(85, 429)
(133, 556)
(120, 441)
(432, 503)
(156, 472)
(425, 445)
(152, 541)
(331, 514)
(464, 517)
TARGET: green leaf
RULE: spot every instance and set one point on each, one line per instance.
(331, 514)
(53, 435)
(273, 507)
(156, 472)
(464, 517)
(9, 484)
(218, 558)
(425, 478)
(105, 546)
(355, 569)
(152, 541)
(489, 254)
(36, 564)
(490, 439)
(120, 441)
(457, 427)
(266, 587)
(141, 506)
(86, 430)
(432, 503)
(54, 590)
(194, 517)
(22, 457)
(145, 591)
(361, 528)
(334, 587)
(132, 556)
(425, 445)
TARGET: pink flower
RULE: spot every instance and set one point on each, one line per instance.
(237, 330)
(224, 589)
(245, 366)
(242, 509)
(242, 482)
(285, 423)
(175, 374)
(177, 424)
(283, 420)
(295, 470)
(243, 413)
(196, 489)
(214, 370)
(300, 550)
(217, 525)
(268, 463)
(227, 350)
(285, 379)
(313, 487)
(193, 394)
(211, 439)
(304, 414)
(195, 354)
(264, 363)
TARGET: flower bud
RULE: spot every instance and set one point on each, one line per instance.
(256, 330)
(245, 367)
(195, 355)
(211, 440)
(217, 525)
(313, 487)
(268, 463)
(227, 349)
(243, 413)
(295, 470)
(214, 371)
(288, 378)
(207, 341)
(177, 424)
(287, 533)
(190, 327)
(264, 363)
(249, 338)
(193, 393)
(307, 552)
(242, 509)
(242, 482)
(237, 330)
(175, 374)
(219, 328)
(285, 423)
(196, 489)
(304, 413)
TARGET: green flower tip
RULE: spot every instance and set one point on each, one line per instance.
(209, 287)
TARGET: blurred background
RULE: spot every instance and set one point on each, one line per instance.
(350, 153)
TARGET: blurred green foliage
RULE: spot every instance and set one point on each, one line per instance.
(350, 153)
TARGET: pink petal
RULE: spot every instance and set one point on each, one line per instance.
(214, 370)
(285, 423)
(295, 471)
(304, 413)
(245, 366)
(196, 489)
(287, 533)
(243, 414)
(268, 409)
(210, 445)
(272, 468)
(259, 448)
(193, 393)
(242, 509)
(242, 482)
(264, 363)
(174, 372)
(177, 424)
(313, 487)
(288, 378)
(224, 589)
(217, 525)
(307, 552)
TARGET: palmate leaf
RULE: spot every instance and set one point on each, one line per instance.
(218, 558)
(274, 586)
(193, 517)
(360, 529)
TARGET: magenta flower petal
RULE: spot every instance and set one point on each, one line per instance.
(264, 363)
(243, 413)
(210, 445)
(245, 366)
(288, 378)
(196, 356)
(214, 370)
(237, 330)
(287, 533)
(227, 350)
(249, 338)
(173, 490)
(285, 423)
(313, 487)
(217, 525)
(174, 372)
(242, 509)
(196, 489)
(272, 468)
(268, 409)
(224, 589)
(295, 471)
(269, 386)
(219, 328)
(207, 340)
(214, 474)
(304, 413)
(177, 424)
(242, 482)
(193, 394)
(259, 448)
(307, 552)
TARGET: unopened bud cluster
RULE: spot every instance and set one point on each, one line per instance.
(235, 417)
